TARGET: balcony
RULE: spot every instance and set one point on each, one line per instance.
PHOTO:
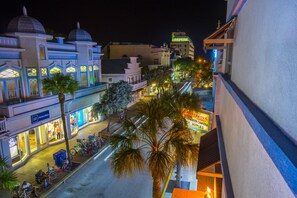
(20, 106)
(138, 85)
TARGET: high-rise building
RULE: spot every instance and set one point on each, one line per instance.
(182, 43)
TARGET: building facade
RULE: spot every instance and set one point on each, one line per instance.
(148, 55)
(182, 43)
(115, 70)
(31, 116)
(255, 104)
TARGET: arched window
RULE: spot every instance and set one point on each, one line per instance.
(10, 84)
(71, 71)
(96, 74)
(55, 70)
(42, 52)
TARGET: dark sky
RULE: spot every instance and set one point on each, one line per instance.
(142, 21)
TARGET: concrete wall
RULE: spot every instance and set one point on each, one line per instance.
(264, 53)
(253, 174)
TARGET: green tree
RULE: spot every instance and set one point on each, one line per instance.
(8, 180)
(161, 77)
(154, 144)
(185, 67)
(204, 74)
(61, 84)
(116, 98)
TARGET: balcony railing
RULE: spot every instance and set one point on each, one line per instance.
(3, 126)
(138, 84)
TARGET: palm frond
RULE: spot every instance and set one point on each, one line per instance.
(126, 161)
(8, 180)
(159, 163)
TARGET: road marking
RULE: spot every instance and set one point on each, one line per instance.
(101, 152)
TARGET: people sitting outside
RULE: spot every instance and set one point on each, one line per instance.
(28, 188)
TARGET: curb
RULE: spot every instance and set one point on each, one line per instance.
(167, 182)
(77, 169)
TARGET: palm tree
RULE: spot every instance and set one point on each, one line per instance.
(61, 84)
(8, 180)
(175, 103)
(155, 143)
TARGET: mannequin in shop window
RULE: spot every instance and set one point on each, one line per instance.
(58, 132)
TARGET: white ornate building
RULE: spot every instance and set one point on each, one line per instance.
(31, 117)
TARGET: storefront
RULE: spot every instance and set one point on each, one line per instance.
(81, 118)
(31, 141)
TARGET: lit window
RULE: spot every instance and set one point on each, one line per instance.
(83, 68)
(96, 68)
(43, 71)
(32, 72)
(9, 73)
(55, 70)
(70, 69)
(90, 68)
(42, 52)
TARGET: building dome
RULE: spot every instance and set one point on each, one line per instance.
(79, 35)
(25, 24)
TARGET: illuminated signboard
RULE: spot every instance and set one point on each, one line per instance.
(180, 39)
(197, 121)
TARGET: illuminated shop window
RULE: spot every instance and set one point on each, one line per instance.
(55, 70)
(9, 73)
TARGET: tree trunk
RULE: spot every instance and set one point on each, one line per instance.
(178, 175)
(108, 123)
(62, 100)
(156, 187)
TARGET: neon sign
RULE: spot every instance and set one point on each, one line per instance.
(197, 121)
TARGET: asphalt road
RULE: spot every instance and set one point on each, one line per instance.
(95, 179)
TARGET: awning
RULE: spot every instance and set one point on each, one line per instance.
(209, 154)
(217, 39)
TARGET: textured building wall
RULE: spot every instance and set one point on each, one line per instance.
(264, 63)
(253, 174)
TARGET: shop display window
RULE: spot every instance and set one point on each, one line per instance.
(18, 147)
(32, 140)
(73, 123)
(54, 131)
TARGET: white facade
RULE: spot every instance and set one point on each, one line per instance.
(128, 70)
(255, 98)
(32, 117)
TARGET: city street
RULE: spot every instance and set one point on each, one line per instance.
(95, 179)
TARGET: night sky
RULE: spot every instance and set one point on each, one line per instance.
(141, 21)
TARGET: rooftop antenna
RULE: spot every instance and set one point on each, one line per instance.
(78, 25)
(24, 11)
(219, 24)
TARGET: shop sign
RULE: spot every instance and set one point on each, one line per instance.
(39, 116)
(201, 117)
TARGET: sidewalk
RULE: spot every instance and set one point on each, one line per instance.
(39, 160)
